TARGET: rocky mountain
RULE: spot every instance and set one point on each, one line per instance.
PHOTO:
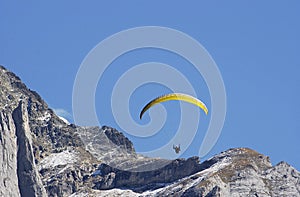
(42, 155)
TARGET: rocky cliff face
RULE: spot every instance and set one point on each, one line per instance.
(41, 155)
(235, 172)
(31, 135)
(30, 183)
(8, 156)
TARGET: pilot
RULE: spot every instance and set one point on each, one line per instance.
(176, 148)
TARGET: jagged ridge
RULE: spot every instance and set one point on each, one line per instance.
(42, 155)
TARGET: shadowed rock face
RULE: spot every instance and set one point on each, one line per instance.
(144, 180)
(41, 155)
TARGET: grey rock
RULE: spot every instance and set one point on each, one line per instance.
(41, 155)
(238, 172)
(142, 181)
(118, 138)
(30, 183)
(119, 156)
(31, 133)
(8, 157)
(283, 180)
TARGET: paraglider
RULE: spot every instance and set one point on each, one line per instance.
(175, 96)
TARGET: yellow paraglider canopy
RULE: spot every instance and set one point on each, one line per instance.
(175, 96)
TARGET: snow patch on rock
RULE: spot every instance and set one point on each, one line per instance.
(65, 120)
(56, 159)
(45, 118)
(190, 181)
(116, 192)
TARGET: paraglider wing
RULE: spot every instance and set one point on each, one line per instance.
(175, 96)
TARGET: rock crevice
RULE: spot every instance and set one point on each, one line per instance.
(30, 183)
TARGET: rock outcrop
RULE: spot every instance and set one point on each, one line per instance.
(235, 172)
(9, 185)
(239, 172)
(30, 183)
(145, 180)
(118, 139)
(31, 135)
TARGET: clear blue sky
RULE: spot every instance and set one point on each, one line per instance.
(255, 45)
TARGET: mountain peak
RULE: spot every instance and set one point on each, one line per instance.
(42, 155)
(118, 138)
(13, 89)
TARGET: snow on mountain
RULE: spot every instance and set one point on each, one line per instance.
(65, 120)
(42, 155)
(55, 159)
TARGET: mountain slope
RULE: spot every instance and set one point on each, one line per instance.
(236, 172)
(42, 155)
